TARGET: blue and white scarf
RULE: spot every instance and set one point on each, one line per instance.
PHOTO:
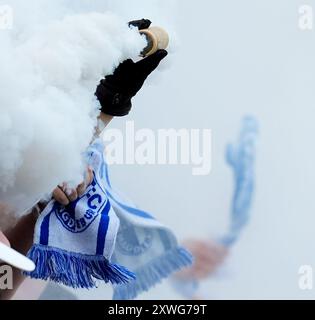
(241, 158)
(101, 236)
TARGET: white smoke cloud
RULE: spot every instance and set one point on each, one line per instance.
(163, 13)
(51, 63)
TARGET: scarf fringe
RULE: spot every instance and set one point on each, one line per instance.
(73, 269)
(153, 273)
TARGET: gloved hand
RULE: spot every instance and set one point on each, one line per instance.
(140, 24)
(116, 91)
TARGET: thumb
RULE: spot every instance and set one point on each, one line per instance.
(149, 64)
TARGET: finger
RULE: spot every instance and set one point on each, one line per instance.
(63, 187)
(59, 196)
(72, 194)
(89, 176)
(4, 239)
(81, 189)
(140, 24)
(149, 64)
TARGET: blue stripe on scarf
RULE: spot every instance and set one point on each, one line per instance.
(102, 230)
(44, 229)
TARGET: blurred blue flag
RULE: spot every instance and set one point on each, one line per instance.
(241, 157)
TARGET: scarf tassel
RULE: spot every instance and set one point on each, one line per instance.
(153, 273)
(73, 269)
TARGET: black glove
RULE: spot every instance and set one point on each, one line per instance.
(116, 91)
(140, 24)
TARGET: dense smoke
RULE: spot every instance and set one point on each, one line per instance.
(51, 62)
